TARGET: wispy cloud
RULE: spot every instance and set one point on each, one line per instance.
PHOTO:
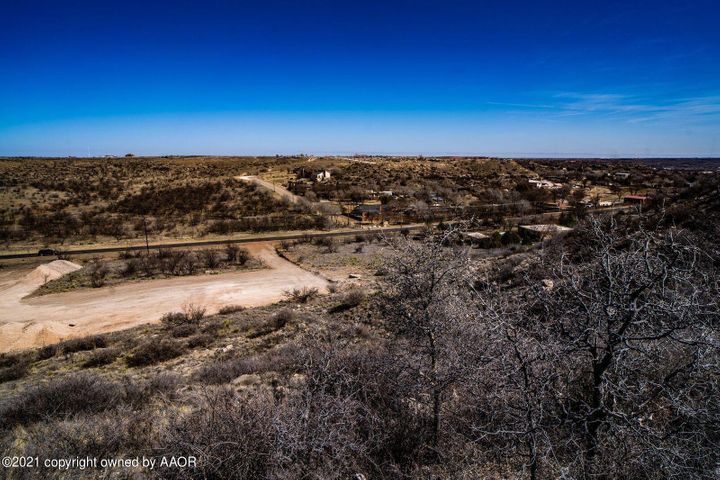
(630, 108)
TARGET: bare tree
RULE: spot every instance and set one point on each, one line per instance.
(426, 302)
(634, 316)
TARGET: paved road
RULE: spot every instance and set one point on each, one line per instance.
(274, 238)
(290, 236)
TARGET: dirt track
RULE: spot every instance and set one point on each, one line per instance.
(42, 320)
(278, 190)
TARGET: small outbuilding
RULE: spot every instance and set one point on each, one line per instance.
(367, 213)
(636, 199)
(542, 231)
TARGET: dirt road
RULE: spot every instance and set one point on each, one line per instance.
(278, 190)
(38, 321)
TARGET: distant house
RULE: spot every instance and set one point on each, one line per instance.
(311, 174)
(622, 175)
(545, 184)
(435, 200)
(549, 206)
(367, 213)
(636, 199)
(475, 238)
(322, 176)
(542, 231)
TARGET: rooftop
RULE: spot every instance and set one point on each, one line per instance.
(546, 228)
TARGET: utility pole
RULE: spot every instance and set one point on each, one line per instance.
(147, 244)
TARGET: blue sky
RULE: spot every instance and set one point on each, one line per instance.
(504, 77)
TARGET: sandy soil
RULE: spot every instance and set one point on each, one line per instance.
(38, 321)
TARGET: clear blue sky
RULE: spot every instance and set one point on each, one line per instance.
(503, 77)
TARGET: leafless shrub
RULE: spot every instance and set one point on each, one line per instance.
(101, 357)
(350, 299)
(220, 429)
(230, 309)
(302, 295)
(174, 318)
(15, 371)
(48, 351)
(283, 358)
(130, 268)
(82, 344)
(194, 313)
(211, 258)
(191, 315)
(183, 330)
(329, 244)
(97, 271)
(119, 432)
(155, 351)
(200, 340)
(60, 397)
(235, 254)
(282, 317)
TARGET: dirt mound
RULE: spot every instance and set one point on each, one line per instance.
(50, 271)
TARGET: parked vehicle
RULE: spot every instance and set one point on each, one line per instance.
(47, 252)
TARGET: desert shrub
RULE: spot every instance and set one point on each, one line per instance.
(98, 271)
(200, 340)
(101, 357)
(126, 255)
(242, 256)
(15, 371)
(60, 397)
(328, 243)
(82, 344)
(212, 327)
(228, 309)
(155, 351)
(174, 318)
(350, 299)
(191, 315)
(11, 359)
(120, 432)
(183, 330)
(194, 313)
(223, 370)
(223, 426)
(326, 426)
(281, 318)
(354, 297)
(211, 258)
(235, 254)
(130, 267)
(302, 295)
(139, 393)
(48, 351)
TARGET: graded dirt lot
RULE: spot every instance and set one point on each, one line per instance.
(33, 322)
